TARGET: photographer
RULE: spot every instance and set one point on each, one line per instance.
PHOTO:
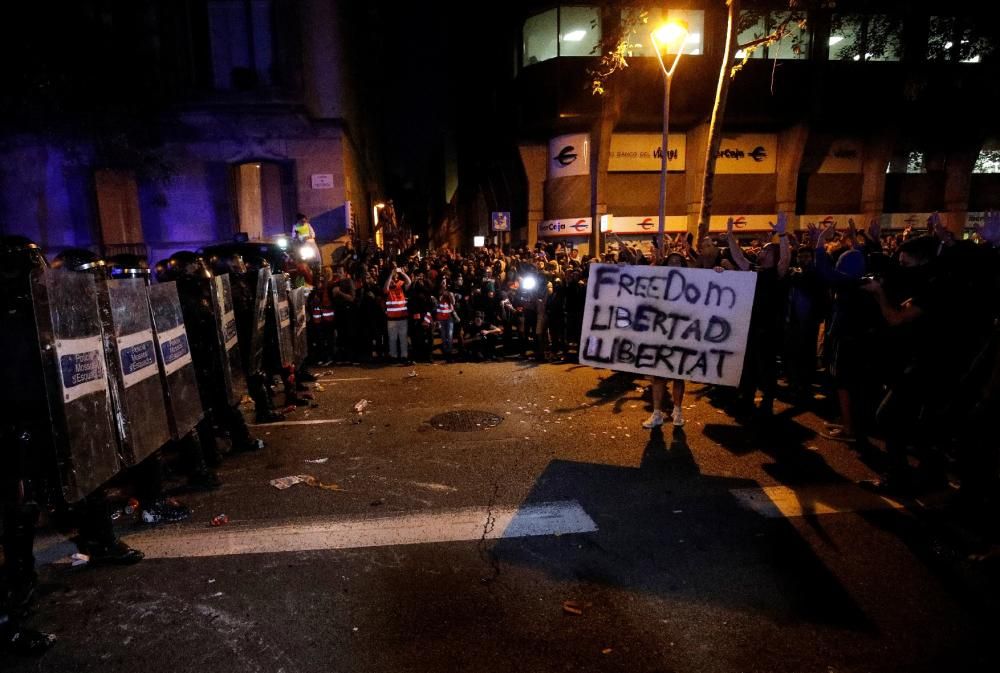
(396, 314)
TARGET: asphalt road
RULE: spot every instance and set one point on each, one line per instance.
(712, 548)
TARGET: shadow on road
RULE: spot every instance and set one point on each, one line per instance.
(666, 529)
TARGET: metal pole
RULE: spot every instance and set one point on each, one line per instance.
(663, 164)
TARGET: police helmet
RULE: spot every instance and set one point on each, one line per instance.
(78, 259)
(127, 266)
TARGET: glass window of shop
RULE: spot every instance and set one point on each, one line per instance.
(756, 25)
(864, 37)
(640, 43)
(566, 31)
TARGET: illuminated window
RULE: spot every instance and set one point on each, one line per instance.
(755, 25)
(579, 31)
(640, 43)
(567, 31)
(950, 38)
(907, 161)
(988, 160)
(856, 37)
(541, 34)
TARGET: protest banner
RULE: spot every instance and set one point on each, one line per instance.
(667, 321)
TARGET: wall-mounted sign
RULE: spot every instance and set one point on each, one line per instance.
(844, 156)
(573, 226)
(321, 180)
(569, 155)
(742, 223)
(747, 153)
(643, 152)
(904, 220)
(500, 221)
(649, 225)
(824, 221)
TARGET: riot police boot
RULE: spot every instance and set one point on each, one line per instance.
(112, 553)
(22, 641)
(165, 510)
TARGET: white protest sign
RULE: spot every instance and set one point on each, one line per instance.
(668, 321)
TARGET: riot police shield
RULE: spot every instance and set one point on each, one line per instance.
(225, 318)
(282, 317)
(300, 341)
(72, 345)
(137, 385)
(184, 409)
(258, 335)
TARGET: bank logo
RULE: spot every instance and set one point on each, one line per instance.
(739, 222)
(579, 225)
(758, 154)
(566, 156)
(827, 221)
(647, 224)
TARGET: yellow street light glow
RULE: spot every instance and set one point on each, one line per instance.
(670, 33)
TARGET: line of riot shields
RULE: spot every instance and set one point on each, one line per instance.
(129, 366)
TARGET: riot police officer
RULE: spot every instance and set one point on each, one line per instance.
(195, 288)
(23, 417)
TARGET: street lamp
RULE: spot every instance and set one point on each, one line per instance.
(669, 34)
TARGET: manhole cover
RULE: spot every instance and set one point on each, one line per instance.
(465, 421)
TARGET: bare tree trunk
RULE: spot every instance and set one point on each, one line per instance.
(602, 129)
(715, 125)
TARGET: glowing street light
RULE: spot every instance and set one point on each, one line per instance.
(667, 35)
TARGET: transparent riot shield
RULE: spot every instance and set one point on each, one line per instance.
(225, 318)
(258, 335)
(300, 340)
(141, 408)
(70, 337)
(282, 313)
(184, 408)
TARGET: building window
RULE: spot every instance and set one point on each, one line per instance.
(579, 31)
(755, 25)
(988, 160)
(950, 38)
(566, 31)
(241, 39)
(856, 37)
(912, 162)
(640, 42)
(541, 33)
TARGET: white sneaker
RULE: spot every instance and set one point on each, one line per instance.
(678, 417)
(654, 421)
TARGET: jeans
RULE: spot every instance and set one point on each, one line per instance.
(398, 330)
(447, 334)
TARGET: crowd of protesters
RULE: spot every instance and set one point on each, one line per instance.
(899, 328)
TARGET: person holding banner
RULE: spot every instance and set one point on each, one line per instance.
(760, 370)
(659, 384)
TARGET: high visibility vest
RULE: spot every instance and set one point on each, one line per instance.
(304, 231)
(444, 311)
(395, 305)
(322, 314)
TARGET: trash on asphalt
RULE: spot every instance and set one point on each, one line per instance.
(319, 387)
(574, 607)
(79, 559)
(413, 373)
(287, 482)
(607, 650)
(360, 406)
(220, 520)
(310, 480)
(317, 461)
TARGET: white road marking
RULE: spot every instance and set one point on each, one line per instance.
(776, 502)
(316, 421)
(555, 518)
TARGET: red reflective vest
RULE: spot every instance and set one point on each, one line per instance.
(395, 304)
(444, 311)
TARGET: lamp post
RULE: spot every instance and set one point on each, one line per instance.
(670, 33)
